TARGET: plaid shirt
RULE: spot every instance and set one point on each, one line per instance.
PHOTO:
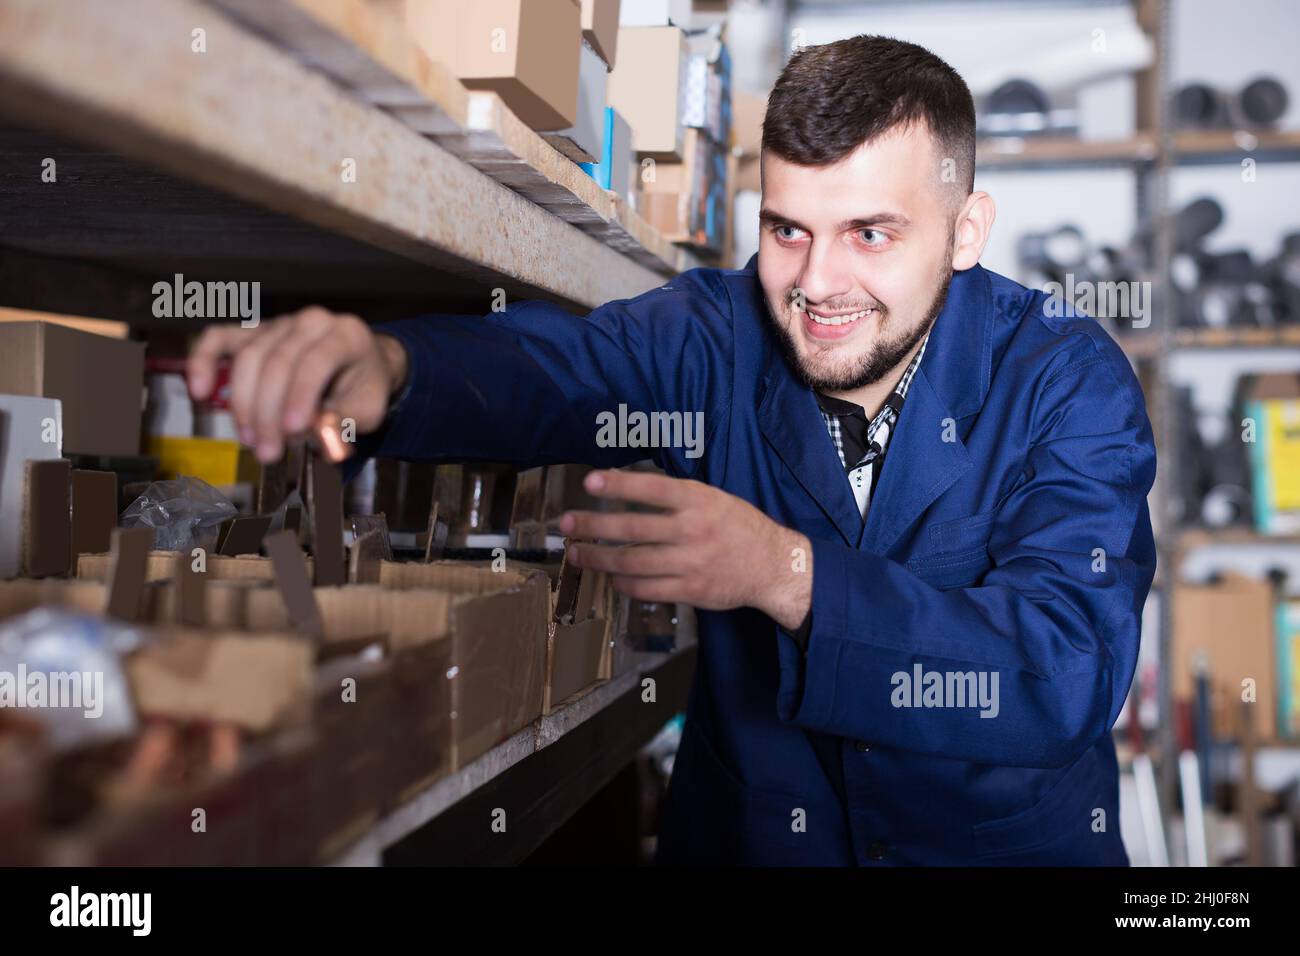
(865, 472)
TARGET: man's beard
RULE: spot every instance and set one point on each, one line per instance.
(884, 355)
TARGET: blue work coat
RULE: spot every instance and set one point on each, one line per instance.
(971, 643)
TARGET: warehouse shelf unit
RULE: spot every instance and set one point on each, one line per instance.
(1153, 153)
(310, 146)
(218, 182)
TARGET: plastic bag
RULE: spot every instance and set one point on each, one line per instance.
(65, 670)
(185, 513)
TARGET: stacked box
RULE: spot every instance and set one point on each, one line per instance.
(1273, 404)
(526, 51)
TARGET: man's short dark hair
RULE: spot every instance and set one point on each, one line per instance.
(831, 99)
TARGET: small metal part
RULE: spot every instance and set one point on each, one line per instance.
(327, 435)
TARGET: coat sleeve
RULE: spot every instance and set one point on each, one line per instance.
(1054, 632)
(533, 384)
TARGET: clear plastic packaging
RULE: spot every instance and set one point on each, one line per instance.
(64, 671)
(184, 512)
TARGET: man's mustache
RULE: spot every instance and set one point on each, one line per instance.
(792, 301)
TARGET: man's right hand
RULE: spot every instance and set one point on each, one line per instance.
(286, 371)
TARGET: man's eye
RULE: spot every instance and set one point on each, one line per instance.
(873, 237)
(788, 233)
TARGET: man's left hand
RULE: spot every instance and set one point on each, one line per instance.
(705, 548)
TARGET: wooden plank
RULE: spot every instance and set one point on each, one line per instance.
(1001, 152)
(248, 120)
(1234, 144)
(364, 46)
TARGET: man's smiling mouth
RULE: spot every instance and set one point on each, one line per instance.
(843, 318)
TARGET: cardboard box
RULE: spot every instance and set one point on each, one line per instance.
(687, 201)
(616, 170)
(749, 175)
(706, 103)
(600, 27)
(496, 625)
(524, 50)
(255, 681)
(357, 746)
(260, 814)
(647, 87)
(99, 380)
(161, 566)
(579, 631)
(1273, 402)
(1231, 624)
(584, 141)
(655, 13)
(748, 111)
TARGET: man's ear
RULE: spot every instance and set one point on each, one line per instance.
(971, 231)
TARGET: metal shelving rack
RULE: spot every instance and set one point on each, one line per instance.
(1153, 152)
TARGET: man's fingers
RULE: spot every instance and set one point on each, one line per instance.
(279, 368)
(657, 490)
(621, 526)
(346, 343)
(215, 343)
(665, 589)
(246, 374)
(651, 560)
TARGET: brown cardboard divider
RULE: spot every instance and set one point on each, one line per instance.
(579, 652)
(160, 567)
(574, 658)
(47, 523)
(258, 682)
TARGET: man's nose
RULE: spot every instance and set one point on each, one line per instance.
(825, 273)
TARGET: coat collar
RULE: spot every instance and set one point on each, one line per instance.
(925, 457)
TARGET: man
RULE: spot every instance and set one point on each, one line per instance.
(917, 532)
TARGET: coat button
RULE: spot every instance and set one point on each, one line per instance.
(876, 851)
(861, 746)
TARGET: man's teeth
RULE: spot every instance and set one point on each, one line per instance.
(840, 319)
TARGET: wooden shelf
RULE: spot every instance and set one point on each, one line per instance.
(1140, 345)
(1190, 538)
(1189, 147)
(229, 163)
(1286, 336)
(1062, 151)
(1233, 145)
(365, 48)
(1148, 345)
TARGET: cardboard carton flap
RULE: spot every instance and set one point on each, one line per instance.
(254, 682)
